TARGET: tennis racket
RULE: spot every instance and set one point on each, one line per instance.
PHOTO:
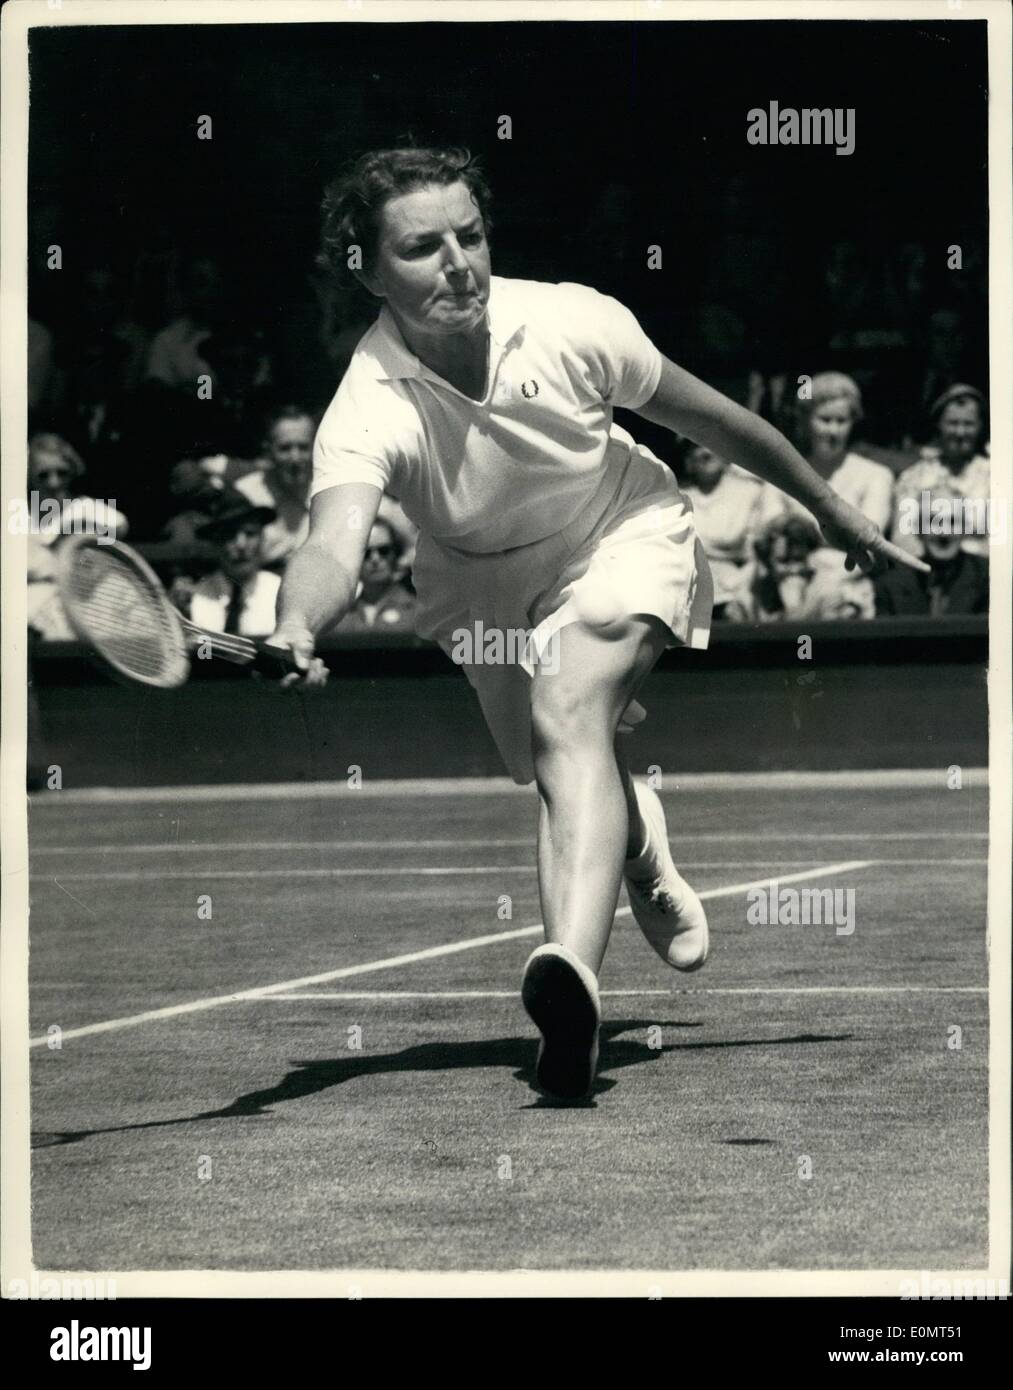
(116, 604)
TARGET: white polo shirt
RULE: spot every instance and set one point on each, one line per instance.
(519, 464)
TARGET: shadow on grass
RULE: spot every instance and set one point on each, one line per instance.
(510, 1054)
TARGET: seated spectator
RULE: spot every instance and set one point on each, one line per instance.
(956, 463)
(283, 483)
(100, 357)
(796, 577)
(406, 533)
(958, 582)
(952, 346)
(382, 602)
(240, 595)
(825, 426)
(56, 509)
(55, 471)
(196, 485)
(40, 364)
(175, 357)
(231, 421)
(727, 511)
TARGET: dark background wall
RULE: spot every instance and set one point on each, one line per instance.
(904, 693)
(624, 135)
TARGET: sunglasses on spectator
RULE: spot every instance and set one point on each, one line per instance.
(379, 550)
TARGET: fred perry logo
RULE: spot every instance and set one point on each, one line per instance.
(529, 389)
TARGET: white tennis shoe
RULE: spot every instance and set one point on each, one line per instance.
(666, 909)
(560, 994)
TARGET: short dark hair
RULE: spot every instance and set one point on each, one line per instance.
(287, 412)
(354, 200)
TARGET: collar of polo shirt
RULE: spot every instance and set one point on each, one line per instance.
(396, 362)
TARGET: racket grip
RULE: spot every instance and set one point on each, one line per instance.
(274, 662)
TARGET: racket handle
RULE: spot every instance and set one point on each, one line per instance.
(274, 662)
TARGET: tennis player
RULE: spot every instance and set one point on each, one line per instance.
(485, 406)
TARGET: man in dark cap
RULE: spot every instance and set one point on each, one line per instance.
(239, 596)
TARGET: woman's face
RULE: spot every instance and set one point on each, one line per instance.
(432, 261)
(51, 475)
(959, 427)
(830, 426)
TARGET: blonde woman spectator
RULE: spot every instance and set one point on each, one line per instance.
(825, 424)
(55, 470)
(955, 463)
(56, 509)
(727, 510)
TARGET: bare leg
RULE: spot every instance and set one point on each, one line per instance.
(584, 825)
(636, 837)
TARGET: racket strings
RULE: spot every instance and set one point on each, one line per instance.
(123, 618)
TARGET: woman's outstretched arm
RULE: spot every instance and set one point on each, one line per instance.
(690, 407)
(321, 577)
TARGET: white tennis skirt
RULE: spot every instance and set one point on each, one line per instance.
(632, 549)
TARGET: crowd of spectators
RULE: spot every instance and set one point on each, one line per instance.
(767, 554)
(193, 434)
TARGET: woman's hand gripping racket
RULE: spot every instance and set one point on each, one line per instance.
(117, 606)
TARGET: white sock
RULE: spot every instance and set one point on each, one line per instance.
(647, 863)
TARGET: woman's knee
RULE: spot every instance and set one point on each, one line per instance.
(567, 718)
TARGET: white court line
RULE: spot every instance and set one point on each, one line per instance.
(269, 846)
(395, 994)
(872, 779)
(391, 962)
(420, 871)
